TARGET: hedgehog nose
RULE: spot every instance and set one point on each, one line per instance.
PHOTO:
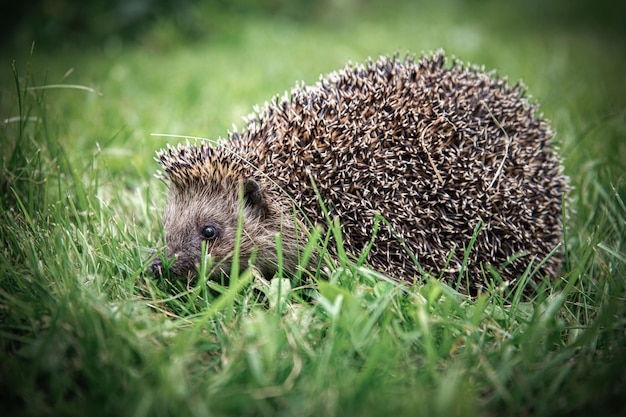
(157, 267)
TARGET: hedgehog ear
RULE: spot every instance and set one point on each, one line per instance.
(253, 197)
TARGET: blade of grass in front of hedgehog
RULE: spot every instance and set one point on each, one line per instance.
(463, 272)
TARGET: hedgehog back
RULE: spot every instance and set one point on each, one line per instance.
(435, 149)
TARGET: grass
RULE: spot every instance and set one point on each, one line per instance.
(84, 330)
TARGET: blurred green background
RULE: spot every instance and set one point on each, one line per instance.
(54, 22)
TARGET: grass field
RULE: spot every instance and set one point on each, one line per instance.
(85, 331)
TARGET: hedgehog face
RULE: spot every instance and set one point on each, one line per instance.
(210, 213)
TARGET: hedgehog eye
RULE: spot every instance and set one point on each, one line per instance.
(209, 232)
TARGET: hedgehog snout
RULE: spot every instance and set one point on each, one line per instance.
(180, 265)
(156, 266)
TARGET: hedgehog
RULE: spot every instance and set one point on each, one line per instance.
(429, 167)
